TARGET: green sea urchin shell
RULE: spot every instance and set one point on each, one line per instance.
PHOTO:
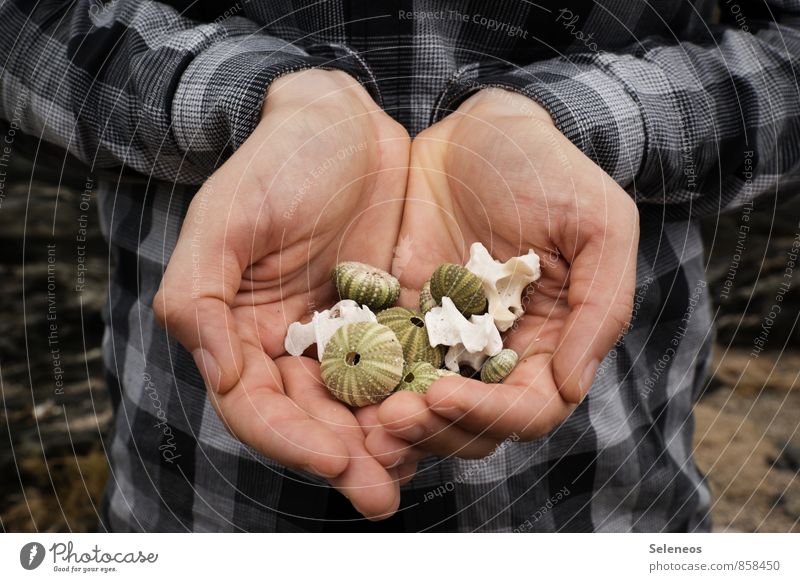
(460, 285)
(362, 363)
(499, 366)
(418, 376)
(426, 300)
(365, 285)
(409, 327)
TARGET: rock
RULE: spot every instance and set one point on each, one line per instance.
(48, 435)
(788, 457)
(735, 446)
(789, 501)
(737, 368)
(747, 260)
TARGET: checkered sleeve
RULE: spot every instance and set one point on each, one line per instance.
(140, 84)
(698, 125)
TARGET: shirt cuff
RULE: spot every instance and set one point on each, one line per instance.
(591, 106)
(218, 99)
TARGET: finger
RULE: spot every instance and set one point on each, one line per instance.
(192, 303)
(602, 283)
(391, 451)
(527, 405)
(367, 417)
(405, 473)
(258, 413)
(406, 415)
(372, 490)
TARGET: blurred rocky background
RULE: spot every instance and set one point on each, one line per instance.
(54, 267)
(748, 420)
(56, 412)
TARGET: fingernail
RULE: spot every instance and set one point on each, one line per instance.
(397, 463)
(588, 376)
(445, 410)
(208, 368)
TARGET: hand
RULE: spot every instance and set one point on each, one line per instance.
(499, 172)
(320, 180)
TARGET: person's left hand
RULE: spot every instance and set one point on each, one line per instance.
(499, 172)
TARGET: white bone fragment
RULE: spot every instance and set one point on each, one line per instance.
(447, 326)
(457, 356)
(504, 283)
(323, 325)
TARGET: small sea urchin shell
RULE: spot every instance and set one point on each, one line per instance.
(362, 364)
(498, 367)
(460, 285)
(365, 285)
(417, 377)
(426, 300)
(409, 327)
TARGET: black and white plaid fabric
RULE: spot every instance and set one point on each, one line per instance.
(690, 117)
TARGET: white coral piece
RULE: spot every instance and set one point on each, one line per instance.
(458, 356)
(447, 326)
(504, 283)
(323, 325)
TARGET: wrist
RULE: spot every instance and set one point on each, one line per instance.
(498, 102)
(316, 88)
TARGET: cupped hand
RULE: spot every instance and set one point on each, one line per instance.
(499, 172)
(320, 180)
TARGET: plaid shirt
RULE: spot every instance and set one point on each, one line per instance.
(690, 117)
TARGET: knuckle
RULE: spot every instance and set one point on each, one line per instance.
(168, 313)
(620, 314)
(159, 309)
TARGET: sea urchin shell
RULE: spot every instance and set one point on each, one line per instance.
(460, 285)
(426, 300)
(362, 364)
(417, 377)
(409, 327)
(365, 285)
(498, 367)
(323, 325)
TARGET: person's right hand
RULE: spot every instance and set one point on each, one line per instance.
(321, 180)
(498, 171)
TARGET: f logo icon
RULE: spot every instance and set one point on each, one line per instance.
(31, 555)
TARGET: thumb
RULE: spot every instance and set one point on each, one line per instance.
(193, 301)
(602, 282)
